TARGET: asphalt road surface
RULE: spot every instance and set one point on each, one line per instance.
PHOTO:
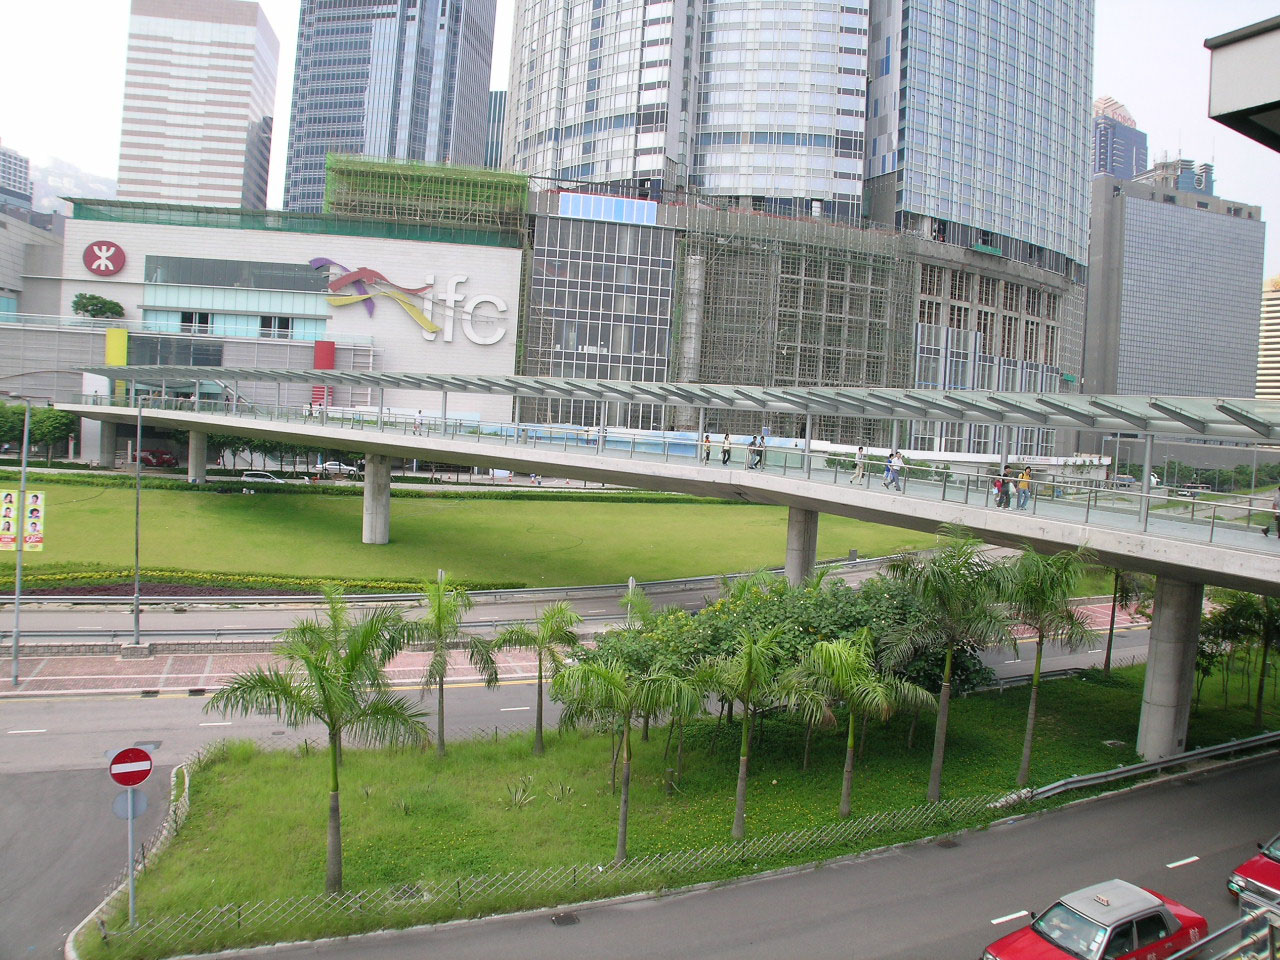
(916, 903)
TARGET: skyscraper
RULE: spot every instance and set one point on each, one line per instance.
(493, 135)
(200, 86)
(387, 78)
(963, 121)
(15, 179)
(1269, 342)
(978, 125)
(759, 101)
(1119, 147)
(1173, 292)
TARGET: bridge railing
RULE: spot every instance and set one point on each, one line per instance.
(1070, 499)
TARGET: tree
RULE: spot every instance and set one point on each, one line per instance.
(552, 631)
(91, 305)
(52, 427)
(1039, 590)
(849, 668)
(609, 692)
(747, 676)
(957, 592)
(336, 677)
(1249, 618)
(445, 604)
(1127, 589)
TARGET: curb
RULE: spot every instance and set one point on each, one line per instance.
(70, 953)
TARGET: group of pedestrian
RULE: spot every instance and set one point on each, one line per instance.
(893, 468)
(755, 453)
(1006, 484)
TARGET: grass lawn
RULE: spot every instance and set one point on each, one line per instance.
(541, 544)
(257, 825)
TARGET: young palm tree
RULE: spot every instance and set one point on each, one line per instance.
(958, 595)
(1039, 591)
(809, 694)
(445, 604)
(749, 677)
(849, 667)
(1127, 588)
(547, 637)
(608, 692)
(336, 676)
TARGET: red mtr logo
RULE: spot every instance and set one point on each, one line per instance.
(130, 766)
(103, 258)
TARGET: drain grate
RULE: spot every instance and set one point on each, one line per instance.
(564, 919)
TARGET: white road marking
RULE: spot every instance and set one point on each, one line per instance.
(509, 709)
(1013, 661)
(1012, 916)
(28, 731)
(1095, 651)
(1181, 863)
(216, 723)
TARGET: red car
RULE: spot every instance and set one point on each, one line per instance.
(1114, 920)
(158, 458)
(1260, 874)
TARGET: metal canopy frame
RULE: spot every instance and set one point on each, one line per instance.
(1235, 419)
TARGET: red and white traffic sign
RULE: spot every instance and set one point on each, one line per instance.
(130, 766)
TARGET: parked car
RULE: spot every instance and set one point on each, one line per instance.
(158, 458)
(336, 468)
(1113, 920)
(1260, 873)
(259, 476)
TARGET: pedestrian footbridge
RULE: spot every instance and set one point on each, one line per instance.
(1185, 544)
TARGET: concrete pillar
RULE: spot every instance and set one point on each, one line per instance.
(197, 456)
(107, 444)
(377, 499)
(1171, 667)
(1145, 506)
(802, 544)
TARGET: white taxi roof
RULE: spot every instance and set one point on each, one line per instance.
(1111, 901)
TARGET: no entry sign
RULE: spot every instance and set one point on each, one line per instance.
(130, 767)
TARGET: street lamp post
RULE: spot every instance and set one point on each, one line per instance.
(137, 520)
(18, 543)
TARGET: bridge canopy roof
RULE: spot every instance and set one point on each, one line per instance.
(1205, 417)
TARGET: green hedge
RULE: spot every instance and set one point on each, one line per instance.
(96, 575)
(347, 490)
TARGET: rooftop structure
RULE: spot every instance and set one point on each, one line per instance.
(1119, 147)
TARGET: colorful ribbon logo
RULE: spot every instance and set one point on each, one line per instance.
(359, 281)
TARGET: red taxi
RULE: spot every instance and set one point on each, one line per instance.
(1114, 920)
(1260, 874)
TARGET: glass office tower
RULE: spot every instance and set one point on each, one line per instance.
(387, 78)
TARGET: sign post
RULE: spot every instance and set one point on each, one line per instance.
(130, 767)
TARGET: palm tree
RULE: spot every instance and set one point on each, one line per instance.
(748, 676)
(1246, 617)
(608, 691)
(336, 677)
(552, 631)
(446, 602)
(957, 593)
(1039, 591)
(849, 667)
(1127, 588)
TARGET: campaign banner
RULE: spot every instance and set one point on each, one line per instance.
(19, 518)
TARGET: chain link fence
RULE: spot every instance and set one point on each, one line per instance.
(106, 932)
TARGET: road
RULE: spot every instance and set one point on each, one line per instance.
(925, 901)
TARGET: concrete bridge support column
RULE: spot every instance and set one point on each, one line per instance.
(802, 544)
(107, 444)
(197, 456)
(377, 499)
(1171, 665)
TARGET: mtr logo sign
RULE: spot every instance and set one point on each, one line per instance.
(480, 318)
(103, 258)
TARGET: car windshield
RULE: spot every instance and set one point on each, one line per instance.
(1272, 848)
(1069, 931)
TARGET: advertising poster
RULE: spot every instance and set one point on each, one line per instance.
(18, 519)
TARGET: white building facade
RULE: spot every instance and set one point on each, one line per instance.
(200, 87)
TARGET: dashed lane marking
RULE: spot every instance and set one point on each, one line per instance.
(509, 709)
(216, 723)
(28, 731)
(1181, 863)
(1012, 916)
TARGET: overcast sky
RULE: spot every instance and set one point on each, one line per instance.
(62, 73)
